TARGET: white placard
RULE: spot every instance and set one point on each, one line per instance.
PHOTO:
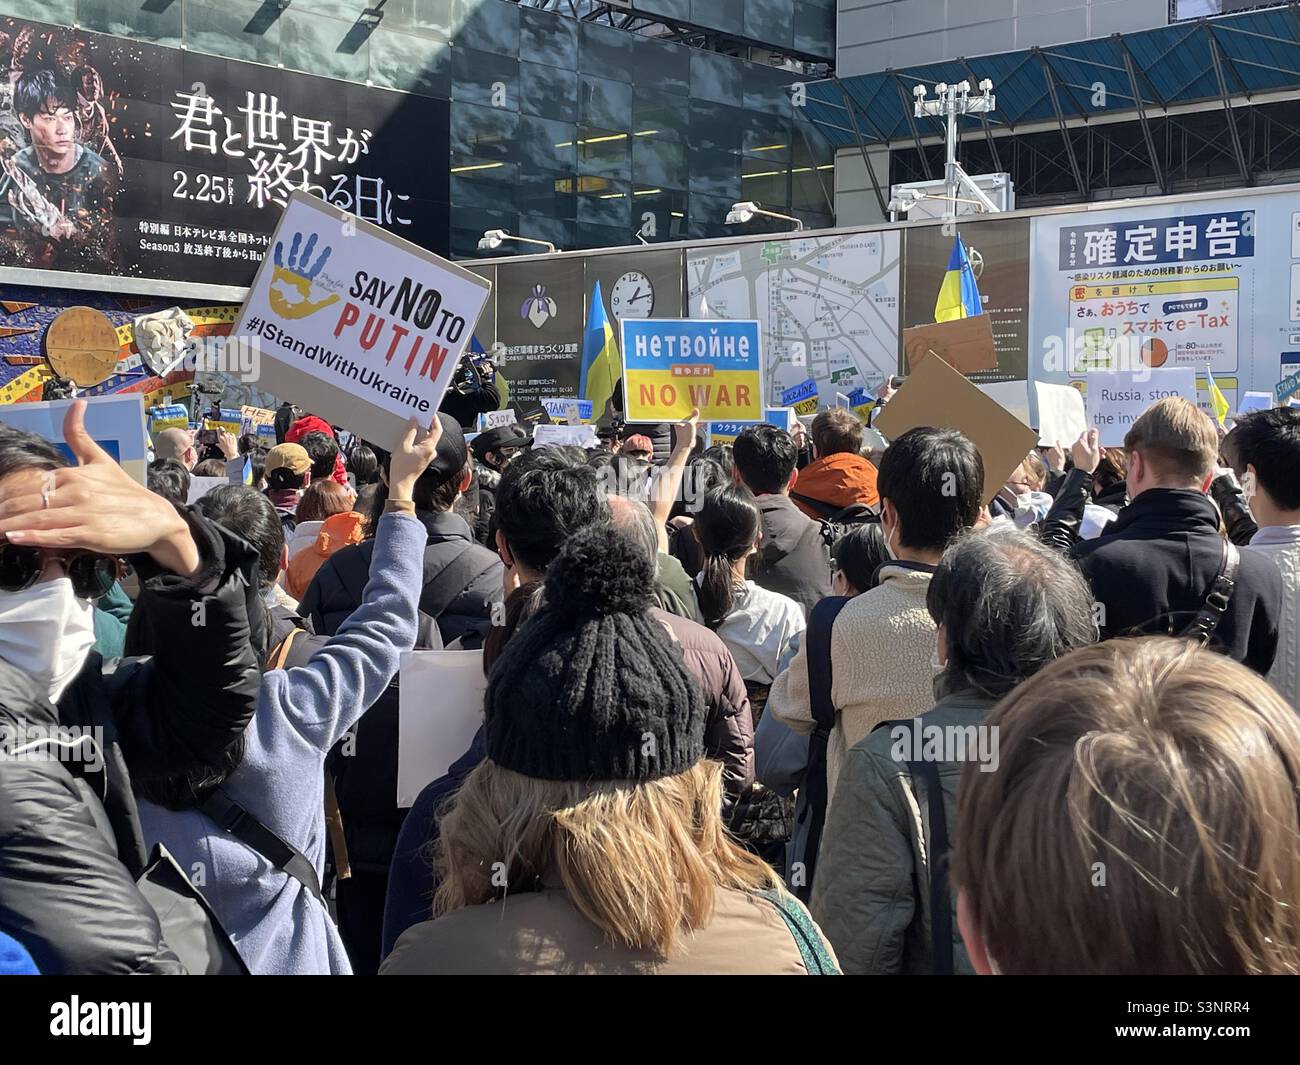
(1061, 417)
(201, 486)
(1117, 398)
(357, 325)
(583, 436)
(439, 708)
(494, 419)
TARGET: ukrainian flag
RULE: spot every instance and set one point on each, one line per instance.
(601, 365)
(1218, 400)
(959, 296)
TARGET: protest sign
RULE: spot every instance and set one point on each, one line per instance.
(1061, 418)
(558, 409)
(1010, 395)
(671, 365)
(201, 486)
(433, 732)
(357, 325)
(494, 419)
(260, 422)
(802, 398)
(116, 423)
(1116, 398)
(583, 436)
(168, 416)
(935, 394)
(228, 419)
(1255, 401)
(965, 344)
(726, 432)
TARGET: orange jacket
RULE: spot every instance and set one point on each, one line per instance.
(338, 531)
(838, 481)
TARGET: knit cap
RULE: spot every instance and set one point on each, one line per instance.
(593, 687)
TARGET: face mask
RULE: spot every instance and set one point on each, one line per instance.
(889, 538)
(47, 632)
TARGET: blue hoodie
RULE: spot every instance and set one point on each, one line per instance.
(277, 925)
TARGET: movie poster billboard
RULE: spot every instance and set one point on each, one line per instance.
(1206, 283)
(123, 158)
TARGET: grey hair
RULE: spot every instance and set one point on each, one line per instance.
(635, 519)
(1009, 605)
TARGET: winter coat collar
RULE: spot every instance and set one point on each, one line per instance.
(1159, 512)
(1276, 536)
(444, 525)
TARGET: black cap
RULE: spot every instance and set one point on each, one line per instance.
(452, 451)
(497, 438)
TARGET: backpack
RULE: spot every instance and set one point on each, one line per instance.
(941, 958)
(817, 642)
(844, 521)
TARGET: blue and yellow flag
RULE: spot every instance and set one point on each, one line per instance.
(601, 365)
(1218, 401)
(959, 296)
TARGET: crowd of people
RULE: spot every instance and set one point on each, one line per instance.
(780, 706)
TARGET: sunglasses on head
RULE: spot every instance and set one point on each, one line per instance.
(91, 573)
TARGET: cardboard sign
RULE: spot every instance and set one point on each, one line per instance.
(937, 395)
(1255, 401)
(671, 365)
(1117, 398)
(434, 730)
(116, 423)
(965, 344)
(559, 410)
(583, 436)
(168, 416)
(494, 419)
(1061, 417)
(357, 325)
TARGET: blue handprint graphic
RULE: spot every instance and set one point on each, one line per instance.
(292, 279)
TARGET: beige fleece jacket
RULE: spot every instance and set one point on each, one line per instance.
(882, 648)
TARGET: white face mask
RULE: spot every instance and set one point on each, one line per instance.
(47, 632)
(889, 538)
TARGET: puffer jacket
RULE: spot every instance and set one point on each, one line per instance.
(71, 847)
(871, 896)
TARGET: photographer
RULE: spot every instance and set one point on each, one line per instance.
(473, 390)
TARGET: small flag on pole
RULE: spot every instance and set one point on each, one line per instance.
(1218, 401)
(959, 296)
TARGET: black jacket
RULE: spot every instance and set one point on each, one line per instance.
(1153, 566)
(365, 765)
(465, 407)
(792, 559)
(71, 847)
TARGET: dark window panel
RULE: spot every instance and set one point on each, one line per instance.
(768, 136)
(607, 52)
(716, 127)
(770, 21)
(725, 15)
(434, 17)
(314, 44)
(487, 132)
(604, 103)
(126, 18)
(588, 235)
(664, 66)
(717, 77)
(410, 63)
(814, 29)
(551, 92)
(477, 75)
(604, 152)
(548, 38)
(715, 174)
(218, 28)
(488, 25)
(545, 227)
(549, 193)
(659, 160)
(608, 206)
(766, 89)
(706, 216)
(546, 143)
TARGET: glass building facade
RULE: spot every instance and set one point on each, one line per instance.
(562, 130)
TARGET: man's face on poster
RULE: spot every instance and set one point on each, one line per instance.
(53, 133)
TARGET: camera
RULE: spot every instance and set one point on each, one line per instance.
(472, 373)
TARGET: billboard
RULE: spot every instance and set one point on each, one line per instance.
(123, 158)
(1197, 284)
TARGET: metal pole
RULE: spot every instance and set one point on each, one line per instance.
(950, 170)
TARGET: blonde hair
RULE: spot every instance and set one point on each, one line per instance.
(1031, 471)
(1144, 818)
(1176, 439)
(641, 860)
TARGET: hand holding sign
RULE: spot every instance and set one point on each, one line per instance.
(413, 456)
(95, 506)
(292, 282)
(1087, 451)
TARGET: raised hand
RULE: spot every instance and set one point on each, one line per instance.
(95, 505)
(412, 457)
(1087, 451)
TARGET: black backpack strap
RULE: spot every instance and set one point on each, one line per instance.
(941, 957)
(1216, 602)
(231, 817)
(817, 645)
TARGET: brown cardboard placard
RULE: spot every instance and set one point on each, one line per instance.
(935, 394)
(965, 344)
